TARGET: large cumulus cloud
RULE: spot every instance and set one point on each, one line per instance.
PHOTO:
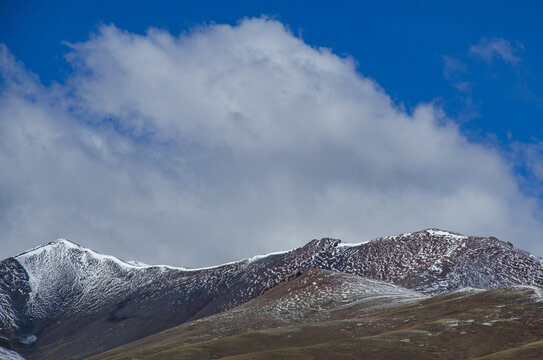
(229, 141)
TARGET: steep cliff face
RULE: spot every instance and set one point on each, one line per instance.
(64, 291)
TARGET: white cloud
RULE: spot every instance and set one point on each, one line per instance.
(490, 48)
(230, 141)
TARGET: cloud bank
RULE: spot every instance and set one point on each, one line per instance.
(229, 141)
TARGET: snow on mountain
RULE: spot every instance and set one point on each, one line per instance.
(64, 280)
(433, 261)
(312, 296)
(7, 314)
(53, 288)
(65, 275)
(6, 354)
(318, 294)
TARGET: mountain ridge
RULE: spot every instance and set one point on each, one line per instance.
(49, 291)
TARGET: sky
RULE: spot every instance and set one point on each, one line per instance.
(196, 134)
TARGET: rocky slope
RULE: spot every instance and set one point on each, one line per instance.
(61, 292)
(328, 315)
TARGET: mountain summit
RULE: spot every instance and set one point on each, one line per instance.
(64, 292)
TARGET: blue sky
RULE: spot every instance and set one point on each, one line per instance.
(401, 44)
(478, 63)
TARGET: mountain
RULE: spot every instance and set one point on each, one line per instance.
(62, 293)
(328, 315)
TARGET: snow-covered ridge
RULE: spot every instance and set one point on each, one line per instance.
(259, 257)
(64, 244)
(342, 244)
(432, 232)
(131, 264)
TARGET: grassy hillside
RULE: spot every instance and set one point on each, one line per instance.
(326, 315)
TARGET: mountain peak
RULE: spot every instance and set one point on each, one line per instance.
(62, 252)
(58, 243)
(323, 243)
(436, 232)
(441, 232)
(65, 242)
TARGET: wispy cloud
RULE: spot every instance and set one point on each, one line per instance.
(230, 141)
(455, 72)
(490, 48)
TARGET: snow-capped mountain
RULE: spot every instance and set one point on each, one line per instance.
(64, 291)
(432, 261)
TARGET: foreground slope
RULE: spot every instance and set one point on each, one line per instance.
(327, 315)
(62, 293)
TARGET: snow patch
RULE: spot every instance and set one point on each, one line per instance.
(342, 244)
(437, 232)
(537, 291)
(28, 340)
(258, 257)
(6, 354)
(466, 290)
